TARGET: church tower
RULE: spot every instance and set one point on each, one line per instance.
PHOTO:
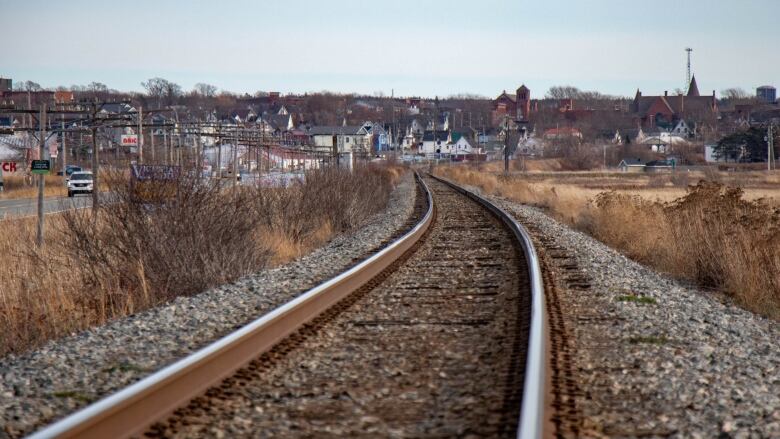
(523, 103)
(693, 88)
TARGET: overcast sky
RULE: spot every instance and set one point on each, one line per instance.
(416, 47)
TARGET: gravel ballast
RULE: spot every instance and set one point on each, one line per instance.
(43, 385)
(652, 357)
(434, 350)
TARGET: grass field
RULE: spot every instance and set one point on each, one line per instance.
(18, 187)
(718, 229)
(133, 257)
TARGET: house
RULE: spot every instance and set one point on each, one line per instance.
(663, 142)
(381, 139)
(562, 133)
(276, 123)
(113, 108)
(435, 142)
(657, 144)
(410, 141)
(343, 138)
(462, 144)
(530, 146)
(63, 97)
(682, 129)
(660, 165)
(665, 111)
(710, 156)
(516, 107)
(15, 148)
(633, 164)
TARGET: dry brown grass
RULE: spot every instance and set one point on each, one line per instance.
(711, 236)
(134, 255)
(19, 187)
(707, 233)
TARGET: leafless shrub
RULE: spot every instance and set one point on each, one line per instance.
(579, 157)
(164, 239)
(711, 236)
(154, 241)
(680, 179)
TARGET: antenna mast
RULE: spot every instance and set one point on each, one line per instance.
(688, 78)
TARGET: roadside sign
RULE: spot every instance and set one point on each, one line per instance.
(40, 166)
(155, 172)
(129, 140)
(8, 166)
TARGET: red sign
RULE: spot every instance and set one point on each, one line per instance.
(129, 140)
(9, 166)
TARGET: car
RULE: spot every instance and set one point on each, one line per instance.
(80, 182)
(70, 169)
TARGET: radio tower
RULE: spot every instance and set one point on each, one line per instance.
(688, 78)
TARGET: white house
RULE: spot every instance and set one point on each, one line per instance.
(682, 129)
(345, 138)
(462, 145)
(631, 164)
(436, 142)
(663, 142)
(410, 140)
(709, 154)
(275, 123)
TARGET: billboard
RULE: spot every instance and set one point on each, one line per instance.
(129, 139)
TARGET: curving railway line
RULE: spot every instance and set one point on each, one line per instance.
(440, 334)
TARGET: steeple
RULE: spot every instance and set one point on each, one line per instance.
(693, 89)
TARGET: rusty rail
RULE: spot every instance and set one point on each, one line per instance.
(131, 410)
(532, 424)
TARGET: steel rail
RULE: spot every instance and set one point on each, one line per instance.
(132, 409)
(531, 420)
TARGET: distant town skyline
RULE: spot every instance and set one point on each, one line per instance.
(431, 48)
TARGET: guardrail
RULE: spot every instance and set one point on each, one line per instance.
(131, 410)
(531, 424)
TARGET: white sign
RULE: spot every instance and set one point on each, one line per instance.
(129, 140)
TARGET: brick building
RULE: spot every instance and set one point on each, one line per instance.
(667, 110)
(517, 107)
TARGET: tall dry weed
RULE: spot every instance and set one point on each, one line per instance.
(711, 235)
(165, 240)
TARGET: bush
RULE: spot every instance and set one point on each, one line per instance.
(162, 240)
(199, 236)
(711, 236)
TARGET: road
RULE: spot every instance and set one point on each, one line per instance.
(29, 206)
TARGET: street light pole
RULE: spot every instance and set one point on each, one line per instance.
(41, 177)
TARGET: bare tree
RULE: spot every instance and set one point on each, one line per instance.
(563, 92)
(162, 90)
(97, 87)
(734, 93)
(205, 90)
(30, 86)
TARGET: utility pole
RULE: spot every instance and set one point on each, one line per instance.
(235, 161)
(688, 76)
(507, 142)
(95, 182)
(219, 161)
(151, 135)
(140, 135)
(769, 147)
(198, 165)
(64, 151)
(165, 146)
(41, 177)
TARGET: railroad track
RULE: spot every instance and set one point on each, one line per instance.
(441, 333)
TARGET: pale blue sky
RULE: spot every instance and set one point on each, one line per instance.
(417, 47)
